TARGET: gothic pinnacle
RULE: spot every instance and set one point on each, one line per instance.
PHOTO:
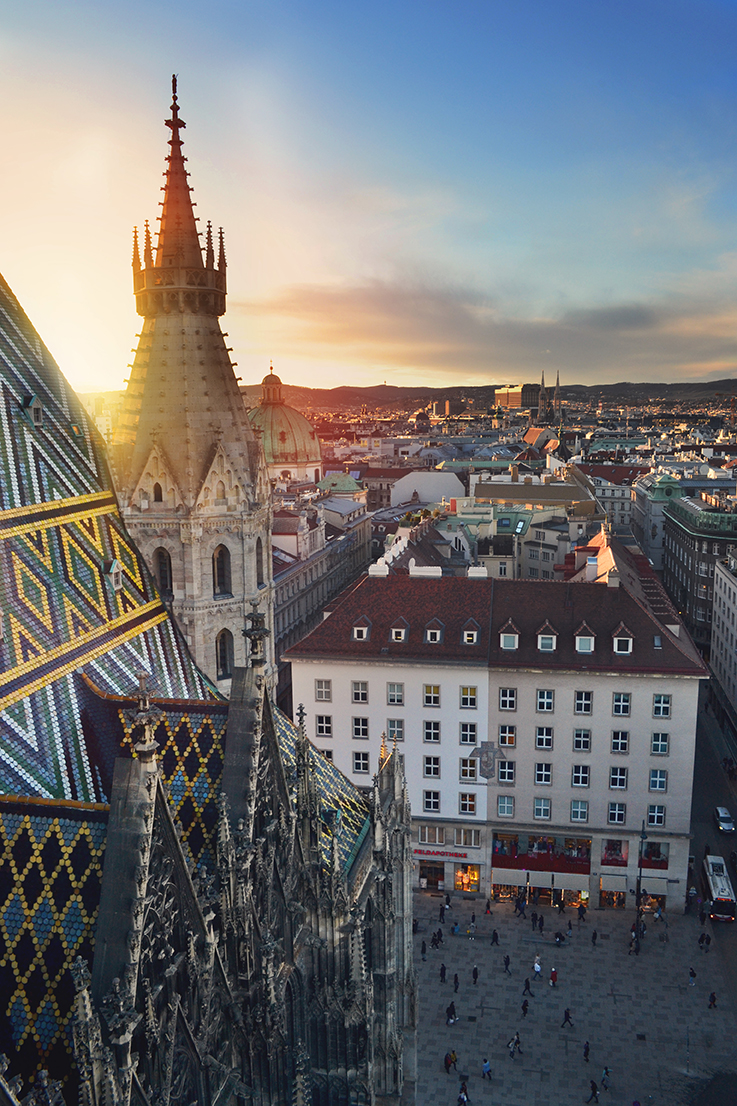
(136, 251)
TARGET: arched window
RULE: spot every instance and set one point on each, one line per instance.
(317, 476)
(221, 571)
(224, 654)
(220, 490)
(162, 571)
(158, 497)
(259, 562)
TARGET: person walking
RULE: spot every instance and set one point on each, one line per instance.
(447, 1061)
(456, 983)
(561, 905)
(569, 933)
(707, 942)
(606, 1079)
(522, 905)
(581, 913)
(527, 990)
(486, 1070)
(515, 1045)
(450, 1013)
(488, 911)
(475, 974)
(702, 938)
(533, 919)
(691, 977)
(567, 1018)
(525, 1008)
(473, 918)
(713, 1000)
(586, 1051)
(441, 913)
(506, 965)
(594, 936)
(423, 950)
(540, 924)
(594, 1096)
(494, 937)
(454, 1059)
(553, 977)
(440, 936)
(537, 967)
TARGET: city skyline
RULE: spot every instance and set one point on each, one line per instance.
(409, 194)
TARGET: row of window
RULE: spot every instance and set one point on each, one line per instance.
(547, 640)
(468, 734)
(221, 573)
(583, 701)
(434, 632)
(542, 809)
(463, 836)
(580, 774)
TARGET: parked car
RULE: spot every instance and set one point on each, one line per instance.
(723, 819)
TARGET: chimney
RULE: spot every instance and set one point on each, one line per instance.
(515, 474)
(592, 569)
(612, 579)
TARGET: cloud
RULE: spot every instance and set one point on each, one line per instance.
(468, 336)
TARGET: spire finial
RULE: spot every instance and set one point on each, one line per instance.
(136, 252)
(148, 257)
(209, 251)
(221, 257)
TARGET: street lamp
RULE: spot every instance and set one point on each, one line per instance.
(638, 896)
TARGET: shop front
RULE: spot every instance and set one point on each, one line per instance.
(446, 870)
(550, 868)
(467, 877)
(432, 876)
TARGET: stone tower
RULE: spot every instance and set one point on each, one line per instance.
(189, 472)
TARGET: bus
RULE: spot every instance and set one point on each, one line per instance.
(718, 889)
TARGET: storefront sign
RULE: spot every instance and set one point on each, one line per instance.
(439, 852)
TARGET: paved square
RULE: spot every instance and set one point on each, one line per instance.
(639, 1014)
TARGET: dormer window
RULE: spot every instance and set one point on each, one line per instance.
(360, 633)
(114, 573)
(470, 637)
(584, 643)
(34, 410)
(399, 633)
(509, 641)
(434, 632)
(546, 643)
(622, 640)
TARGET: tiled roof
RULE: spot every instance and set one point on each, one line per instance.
(383, 599)
(379, 601)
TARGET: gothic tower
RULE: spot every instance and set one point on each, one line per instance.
(189, 472)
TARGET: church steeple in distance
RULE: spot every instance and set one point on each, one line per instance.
(187, 465)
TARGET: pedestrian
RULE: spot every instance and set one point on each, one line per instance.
(471, 931)
(540, 924)
(463, 1095)
(594, 1096)
(527, 990)
(488, 911)
(441, 913)
(707, 942)
(494, 937)
(533, 919)
(586, 1051)
(456, 983)
(581, 913)
(447, 901)
(561, 905)
(443, 970)
(423, 950)
(702, 916)
(567, 1018)
(525, 1007)
(517, 902)
(454, 1059)
(713, 1000)
(702, 938)
(450, 1014)
(553, 977)
(433, 941)
(606, 1078)
(522, 909)
(475, 974)
(486, 1070)
(447, 1061)
(594, 935)
(537, 966)
(515, 1046)
(473, 918)
(691, 977)
(570, 931)
(440, 936)
(506, 965)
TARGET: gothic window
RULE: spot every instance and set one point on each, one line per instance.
(221, 571)
(220, 490)
(259, 562)
(162, 569)
(158, 496)
(224, 654)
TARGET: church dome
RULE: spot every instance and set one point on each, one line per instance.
(288, 439)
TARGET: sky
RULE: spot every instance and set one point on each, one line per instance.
(445, 192)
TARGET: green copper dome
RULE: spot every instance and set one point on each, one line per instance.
(286, 436)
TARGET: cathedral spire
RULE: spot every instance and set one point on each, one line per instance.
(179, 242)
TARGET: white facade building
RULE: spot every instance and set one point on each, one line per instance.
(540, 726)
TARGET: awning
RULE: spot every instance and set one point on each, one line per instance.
(652, 885)
(510, 876)
(541, 879)
(571, 881)
(612, 882)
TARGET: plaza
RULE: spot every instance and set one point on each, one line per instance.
(639, 1014)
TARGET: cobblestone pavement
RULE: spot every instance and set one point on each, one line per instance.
(639, 1014)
